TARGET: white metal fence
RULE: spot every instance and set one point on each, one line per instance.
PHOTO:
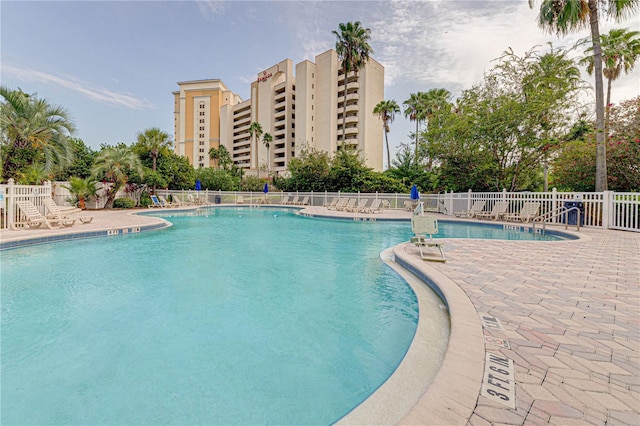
(607, 210)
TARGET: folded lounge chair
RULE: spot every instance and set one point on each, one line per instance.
(498, 210)
(528, 211)
(332, 203)
(164, 202)
(424, 227)
(362, 204)
(477, 207)
(350, 204)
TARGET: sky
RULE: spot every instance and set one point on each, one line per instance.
(114, 64)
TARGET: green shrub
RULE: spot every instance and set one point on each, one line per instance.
(123, 203)
(145, 200)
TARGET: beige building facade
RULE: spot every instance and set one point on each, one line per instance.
(298, 110)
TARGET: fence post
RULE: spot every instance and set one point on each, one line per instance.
(607, 208)
(554, 203)
(469, 199)
(11, 205)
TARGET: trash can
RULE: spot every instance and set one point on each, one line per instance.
(571, 217)
(217, 199)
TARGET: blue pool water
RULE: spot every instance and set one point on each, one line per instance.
(232, 316)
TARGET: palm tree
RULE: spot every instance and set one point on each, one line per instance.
(81, 189)
(352, 47)
(564, 16)
(222, 155)
(32, 127)
(266, 140)
(620, 49)
(156, 142)
(434, 101)
(414, 111)
(387, 111)
(255, 129)
(115, 164)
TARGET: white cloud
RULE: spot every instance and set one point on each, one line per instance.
(97, 94)
(209, 9)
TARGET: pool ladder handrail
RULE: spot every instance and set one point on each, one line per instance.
(546, 217)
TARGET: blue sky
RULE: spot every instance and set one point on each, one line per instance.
(114, 64)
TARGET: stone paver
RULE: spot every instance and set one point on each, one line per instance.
(570, 311)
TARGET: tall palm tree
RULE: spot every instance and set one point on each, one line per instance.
(255, 129)
(620, 49)
(266, 140)
(434, 101)
(414, 111)
(387, 111)
(564, 16)
(114, 164)
(353, 49)
(33, 127)
(156, 142)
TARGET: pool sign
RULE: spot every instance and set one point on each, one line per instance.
(499, 380)
(491, 323)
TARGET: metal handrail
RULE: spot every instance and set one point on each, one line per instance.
(544, 218)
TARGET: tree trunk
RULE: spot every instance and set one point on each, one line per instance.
(607, 109)
(386, 138)
(417, 123)
(601, 149)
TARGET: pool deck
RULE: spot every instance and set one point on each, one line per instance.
(566, 314)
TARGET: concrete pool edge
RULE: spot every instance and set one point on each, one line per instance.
(451, 396)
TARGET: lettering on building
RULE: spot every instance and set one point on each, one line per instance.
(264, 76)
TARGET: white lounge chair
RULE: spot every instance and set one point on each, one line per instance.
(33, 218)
(477, 207)
(528, 211)
(304, 202)
(362, 204)
(340, 204)
(375, 206)
(57, 215)
(155, 202)
(164, 202)
(294, 201)
(424, 227)
(350, 204)
(240, 199)
(499, 209)
(332, 203)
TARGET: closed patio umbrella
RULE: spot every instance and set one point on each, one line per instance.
(415, 195)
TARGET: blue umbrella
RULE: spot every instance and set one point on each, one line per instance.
(198, 185)
(266, 188)
(415, 195)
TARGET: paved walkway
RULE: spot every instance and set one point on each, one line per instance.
(570, 312)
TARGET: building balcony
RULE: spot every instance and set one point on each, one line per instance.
(351, 119)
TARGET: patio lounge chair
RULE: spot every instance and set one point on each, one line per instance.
(285, 200)
(477, 207)
(362, 204)
(499, 209)
(155, 202)
(33, 218)
(304, 202)
(240, 199)
(164, 201)
(294, 201)
(350, 204)
(332, 203)
(340, 204)
(424, 227)
(375, 206)
(528, 211)
(57, 215)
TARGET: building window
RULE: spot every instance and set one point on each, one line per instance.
(202, 121)
(312, 86)
(313, 75)
(201, 165)
(311, 107)
(202, 128)
(202, 135)
(201, 158)
(201, 149)
(201, 143)
(201, 105)
(201, 113)
(312, 118)
(312, 128)
(312, 97)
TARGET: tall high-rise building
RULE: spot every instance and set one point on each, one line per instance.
(305, 110)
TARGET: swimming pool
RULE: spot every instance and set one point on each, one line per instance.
(234, 315)
(243, 316)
